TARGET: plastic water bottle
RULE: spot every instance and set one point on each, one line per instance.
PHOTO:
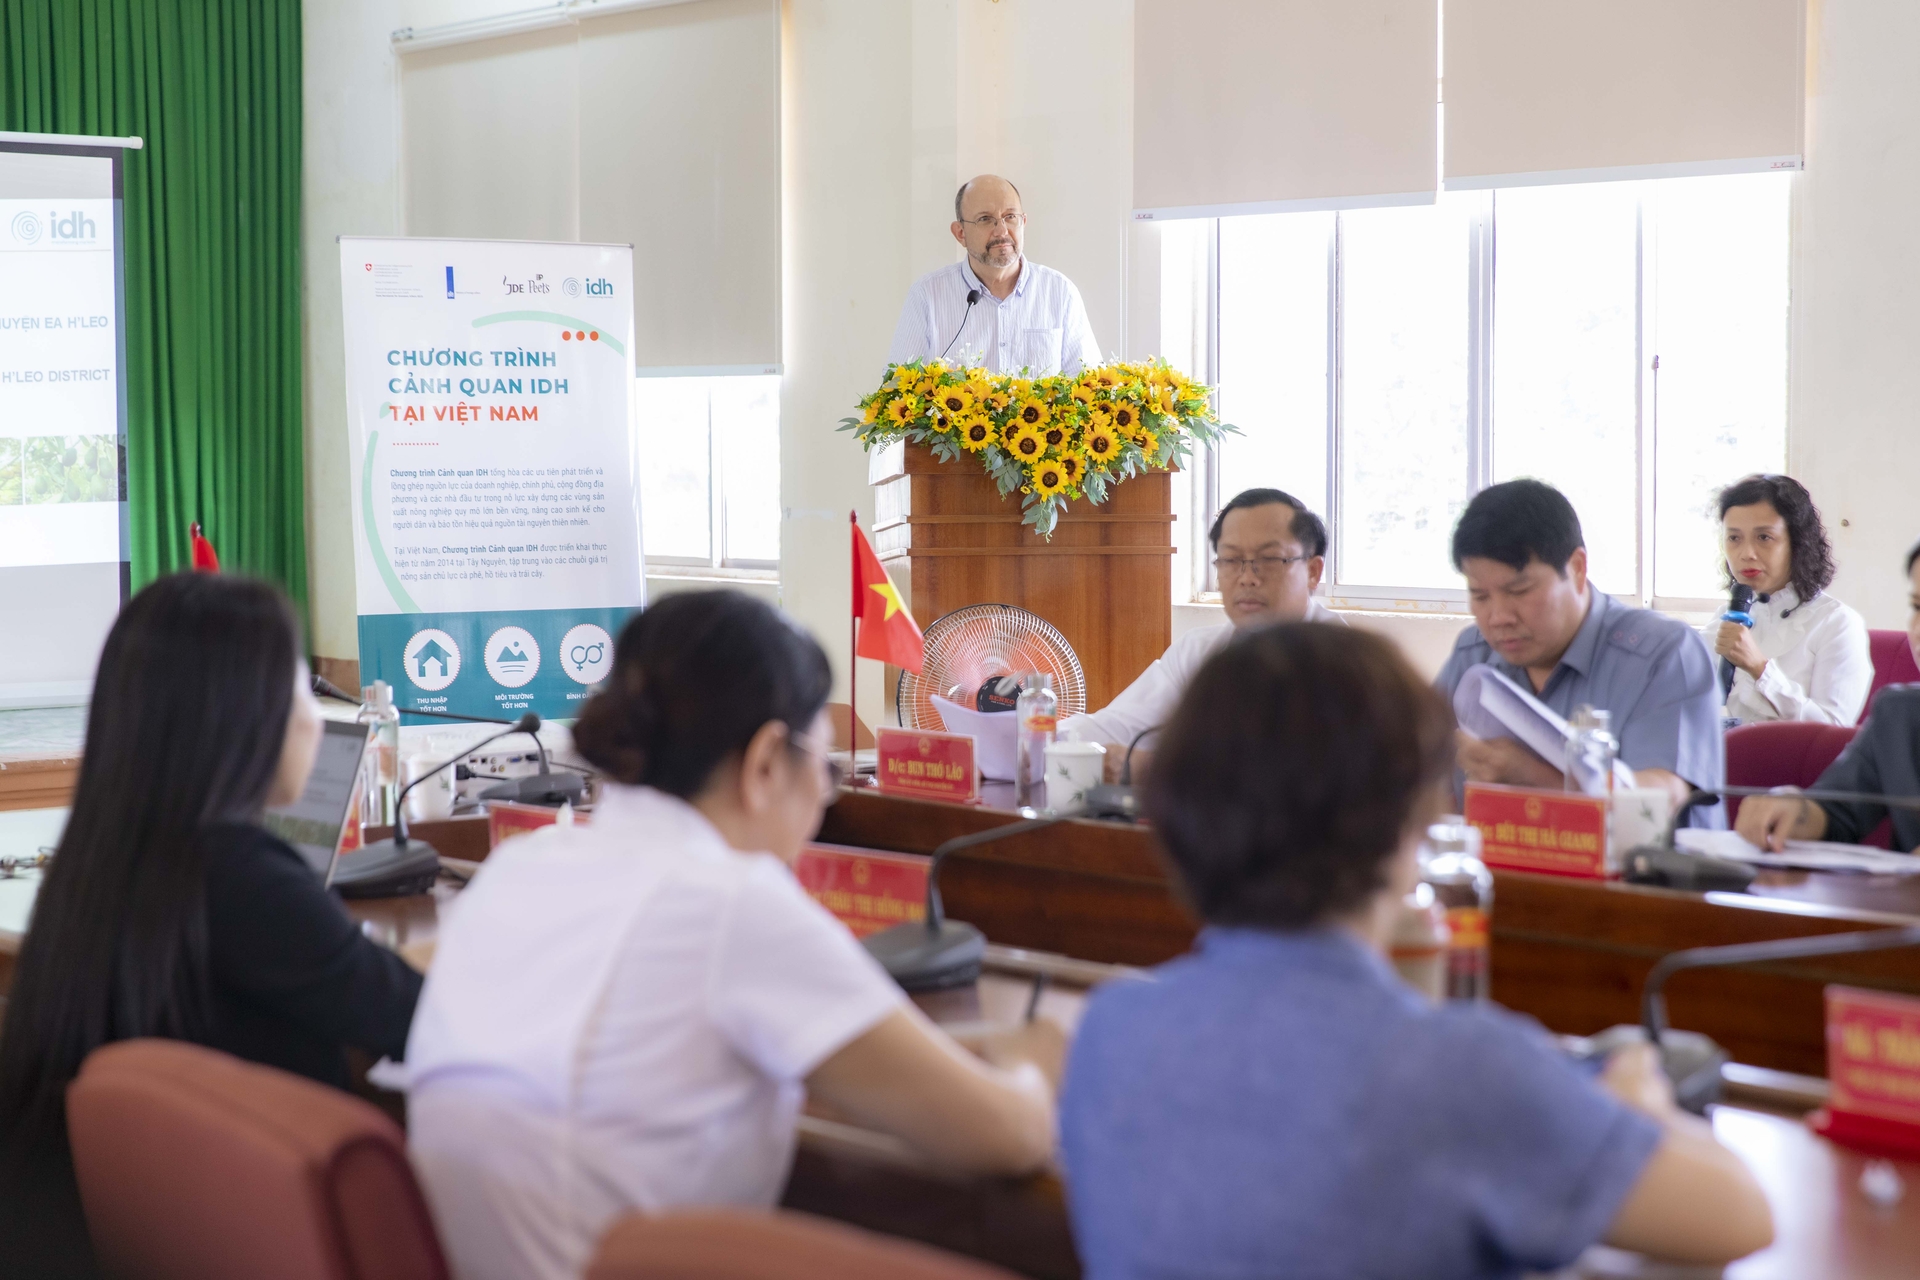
(1591, 753)
(380, 786)
(1036, 719)
(1462, 885)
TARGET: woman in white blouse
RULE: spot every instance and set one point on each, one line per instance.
(1806, 656)
(628, 1015)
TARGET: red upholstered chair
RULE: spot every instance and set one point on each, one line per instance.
(711, 1244)
(1787, 753)
(194, 1165)
(1892, 664)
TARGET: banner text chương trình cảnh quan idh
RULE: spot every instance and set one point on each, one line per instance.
(496, 511)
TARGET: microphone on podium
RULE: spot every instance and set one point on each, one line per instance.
(401, 864)
(936, 953)
(973, 296)
(1738, 605)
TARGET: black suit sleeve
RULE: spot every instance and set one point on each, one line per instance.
(283, 951)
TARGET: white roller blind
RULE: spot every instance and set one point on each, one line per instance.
(1578, 90)
(488, 131)
(685, 110)
(658, 127)
(1258, 106)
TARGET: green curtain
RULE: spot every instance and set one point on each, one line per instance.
(212, 219)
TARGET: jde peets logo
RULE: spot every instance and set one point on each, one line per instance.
(601, 288)
(68, 228)
(536, 285)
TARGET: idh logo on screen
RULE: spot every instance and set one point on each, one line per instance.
(69, 228)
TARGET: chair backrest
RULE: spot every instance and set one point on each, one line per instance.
(194, 1165)
(1892, 664)
(1788, 753)
(722, 1244)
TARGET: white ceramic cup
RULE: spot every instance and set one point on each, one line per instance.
(1073, 769)
(432, 800)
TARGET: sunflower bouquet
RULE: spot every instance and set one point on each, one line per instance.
(1054, 439)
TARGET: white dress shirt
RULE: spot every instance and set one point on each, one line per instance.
(1040, 327)
(620, 1017)
(1818, 665)
(1149, 701)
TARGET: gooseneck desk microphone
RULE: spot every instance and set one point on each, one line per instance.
(401, 864)
(937, 953)
(1665, 865)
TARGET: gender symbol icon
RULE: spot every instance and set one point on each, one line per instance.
(586, 655)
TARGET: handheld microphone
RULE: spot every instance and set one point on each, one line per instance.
(400, 864)
(937, 953)
(1738, 604)
(973, 296)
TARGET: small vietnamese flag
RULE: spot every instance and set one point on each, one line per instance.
(887, 631)
(204, 560)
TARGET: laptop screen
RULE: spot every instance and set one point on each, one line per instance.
(313, 823)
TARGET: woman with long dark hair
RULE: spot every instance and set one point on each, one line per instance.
(168, 909)
(1806, 656)
(628, 1015)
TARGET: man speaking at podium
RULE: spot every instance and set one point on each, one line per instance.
(996, 310)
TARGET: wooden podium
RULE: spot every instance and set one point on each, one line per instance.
(948, 539)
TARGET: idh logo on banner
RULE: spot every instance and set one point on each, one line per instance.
(74, 227)
(601, 288)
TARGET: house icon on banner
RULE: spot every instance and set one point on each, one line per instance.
(432, 652)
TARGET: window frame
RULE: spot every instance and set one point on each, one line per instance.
(1482, 263)
(717, 562)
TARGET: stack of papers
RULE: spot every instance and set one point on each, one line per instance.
(1799, 855)
(992, 733)
(1488, 705)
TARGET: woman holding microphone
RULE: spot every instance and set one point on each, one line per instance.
(1805, 657)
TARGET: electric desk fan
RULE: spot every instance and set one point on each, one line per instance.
(969, 651)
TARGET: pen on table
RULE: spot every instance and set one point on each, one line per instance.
(1033, 1001)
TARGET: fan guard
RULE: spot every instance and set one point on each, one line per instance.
(971, 645)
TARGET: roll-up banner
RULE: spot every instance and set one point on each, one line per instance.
(496, 512)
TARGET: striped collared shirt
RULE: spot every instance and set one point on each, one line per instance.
(1041, 327)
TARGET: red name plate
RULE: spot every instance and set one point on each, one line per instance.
(506, 819)
(1522, 829)
(1873, 1062)
(932, 766)
(866, 891)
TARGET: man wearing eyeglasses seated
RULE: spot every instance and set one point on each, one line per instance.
(1268, 554)
(996, 310)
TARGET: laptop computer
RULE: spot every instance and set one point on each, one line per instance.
(315, 823)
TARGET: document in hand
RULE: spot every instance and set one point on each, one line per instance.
(992, 736)
(1489, 705)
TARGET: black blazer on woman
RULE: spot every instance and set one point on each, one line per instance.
(294, 983)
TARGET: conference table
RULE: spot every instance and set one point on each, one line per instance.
(1086, 902)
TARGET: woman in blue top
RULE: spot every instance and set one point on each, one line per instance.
(1278, 1103)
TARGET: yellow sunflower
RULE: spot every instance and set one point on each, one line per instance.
(1166, 399)
(980, 389)
(870, 414)
(1105, 379)
(1055, 433)
(1102, 445)
(942, 420)
(956, 399)
(1031, 413)
(1100, 416)
(976, 431)
(1082, 392)
(904, 378)
(1049, 478)
(1074, 465)
(1125, 419)
(902, 410)
(1024, 444)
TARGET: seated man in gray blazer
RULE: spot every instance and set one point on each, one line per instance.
(1884, 757)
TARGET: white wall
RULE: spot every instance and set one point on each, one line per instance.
(1854, 435)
